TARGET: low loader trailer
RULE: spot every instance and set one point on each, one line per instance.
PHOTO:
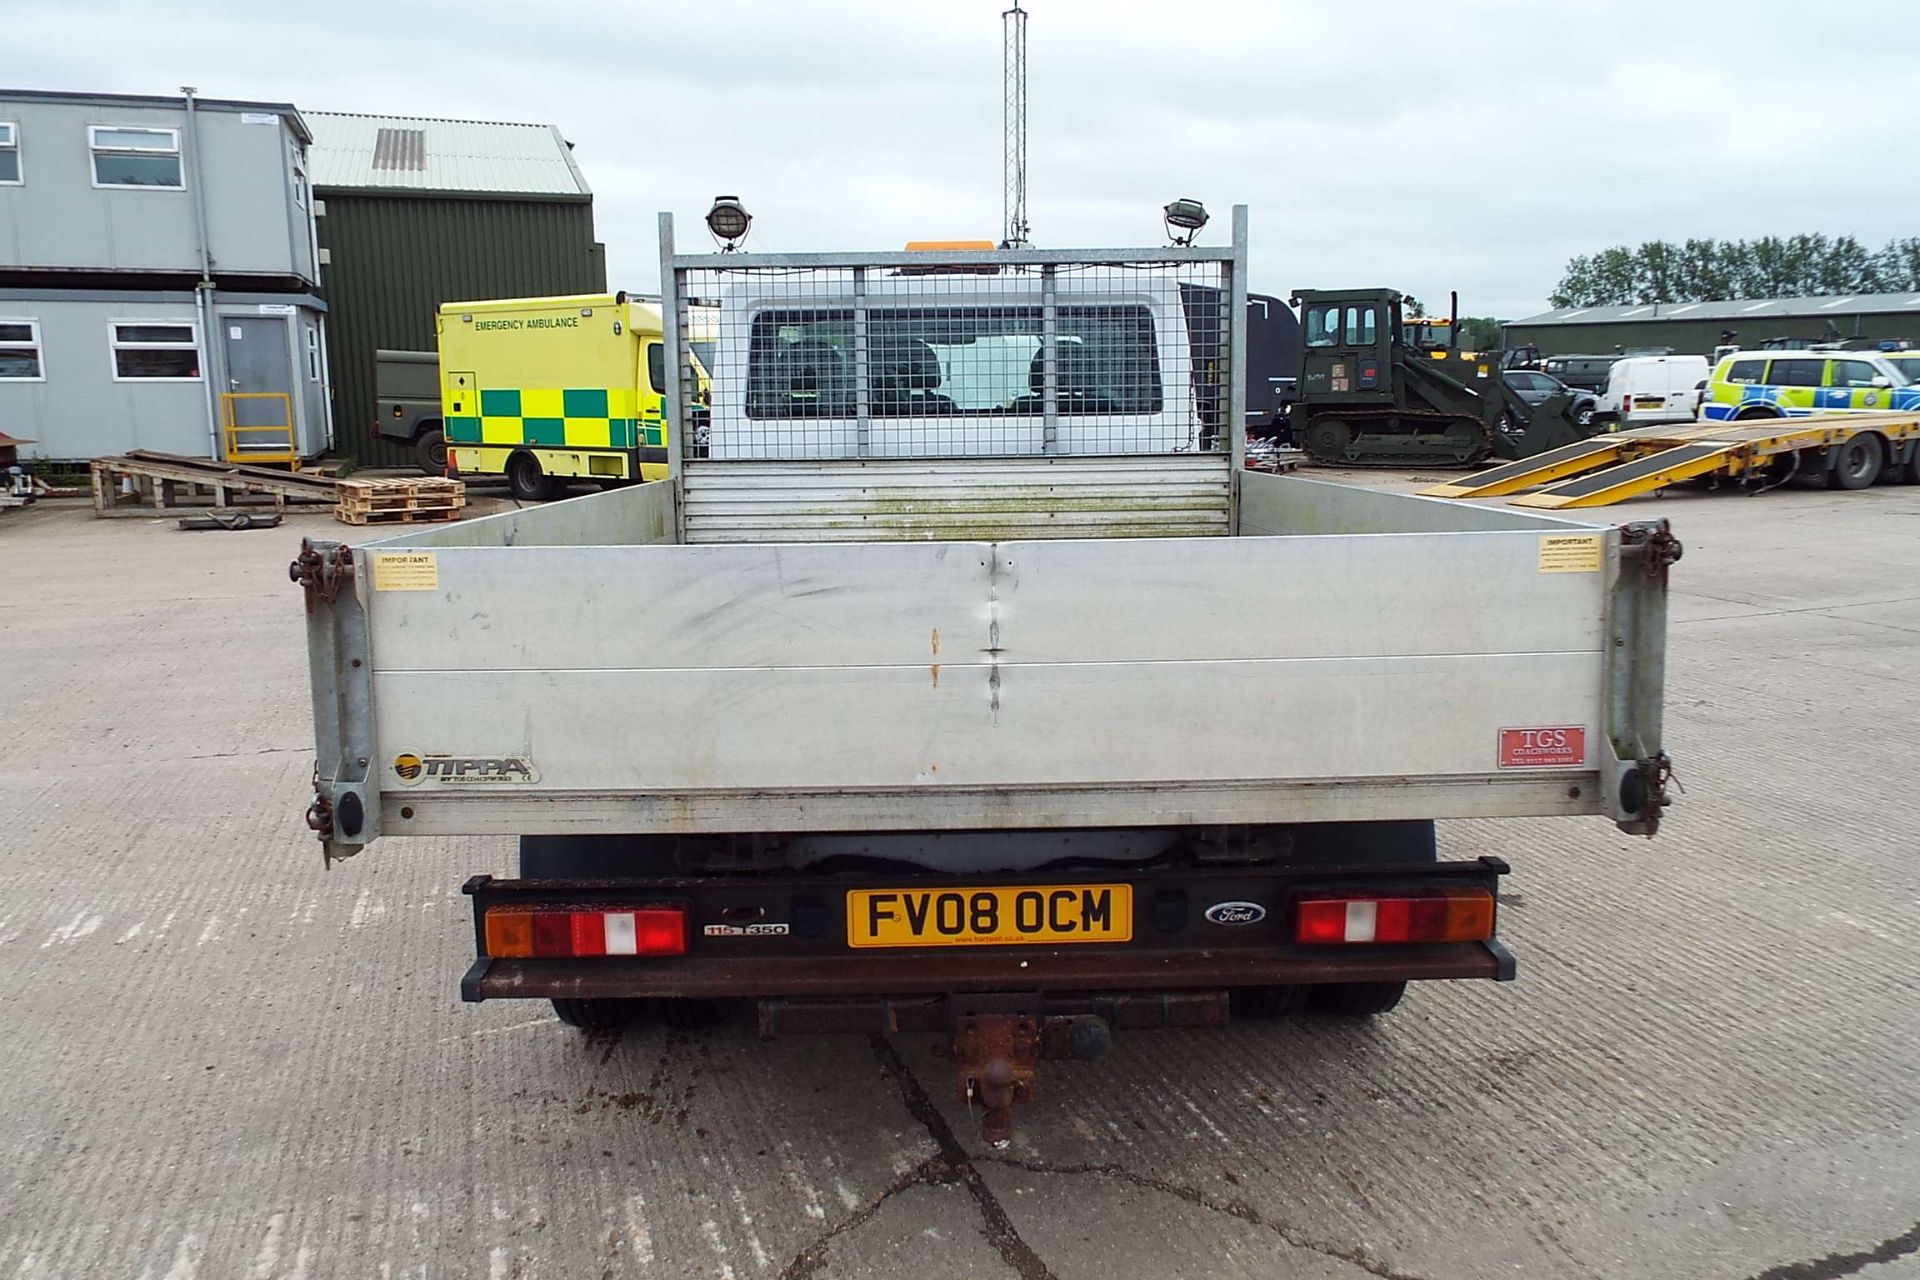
(1846, 450)
(961, 681)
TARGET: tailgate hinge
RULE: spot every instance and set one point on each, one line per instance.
(1659, 548)
(321, 569)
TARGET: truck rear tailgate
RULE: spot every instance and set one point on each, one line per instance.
(1352, 655)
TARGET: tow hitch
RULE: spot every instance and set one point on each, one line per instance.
(997, 1040)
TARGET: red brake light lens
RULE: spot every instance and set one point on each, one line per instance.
(524, 933)
(1439, 915)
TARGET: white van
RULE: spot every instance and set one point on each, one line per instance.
(1645, 390)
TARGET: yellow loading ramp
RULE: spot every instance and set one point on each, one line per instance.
(1625, 464)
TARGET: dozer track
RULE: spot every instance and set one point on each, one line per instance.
(1380, 438)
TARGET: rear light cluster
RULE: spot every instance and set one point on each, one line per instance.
(1443, 915)
(649, 931)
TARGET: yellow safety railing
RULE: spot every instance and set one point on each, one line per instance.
(243, 443)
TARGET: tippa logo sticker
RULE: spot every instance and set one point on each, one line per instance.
(412, 769)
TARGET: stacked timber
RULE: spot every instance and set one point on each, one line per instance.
(398, 500)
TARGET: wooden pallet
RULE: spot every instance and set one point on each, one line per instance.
(399, 500)
(369, 487)
(402, 515)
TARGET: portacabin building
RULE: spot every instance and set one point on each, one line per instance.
(159, 278)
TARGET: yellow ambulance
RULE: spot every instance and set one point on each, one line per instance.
(544, 390)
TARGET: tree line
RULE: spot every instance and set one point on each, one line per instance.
(1769, 267)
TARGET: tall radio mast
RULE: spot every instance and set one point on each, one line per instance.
(1013, 122)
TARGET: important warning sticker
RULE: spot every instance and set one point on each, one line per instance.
(406, 571)
(1549, 747)
(1571, 553)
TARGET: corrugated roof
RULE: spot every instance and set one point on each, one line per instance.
(1733, 309)
(404, 153)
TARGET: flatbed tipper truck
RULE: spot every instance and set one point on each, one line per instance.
(959, 680)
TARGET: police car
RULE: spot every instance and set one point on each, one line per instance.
(1794, 384)
(1907, 362)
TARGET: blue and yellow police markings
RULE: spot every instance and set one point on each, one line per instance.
(1800, 402)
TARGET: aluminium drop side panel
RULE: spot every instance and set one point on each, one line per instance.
(950, 685)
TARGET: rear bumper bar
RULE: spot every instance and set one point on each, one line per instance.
(1031, 969)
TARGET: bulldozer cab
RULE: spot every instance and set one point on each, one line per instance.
(1348, 338)
(1379, 389)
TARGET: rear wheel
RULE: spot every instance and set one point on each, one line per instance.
(687, 1015)
(1910, 470)
(527, 481)
(591, 858)
(1264, 1002)
(599, 1015)
(430, 451)
(1355, 999)
(1858, 464)
(1755, 414)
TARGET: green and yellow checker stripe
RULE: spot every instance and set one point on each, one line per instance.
(560, 418)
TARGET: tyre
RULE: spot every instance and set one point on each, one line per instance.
(583, 858)
(526, 480)
(1584, 415)
(1264, 1002)
(1756, 414)
(1857, 464)
(430, 451)
(1910, 469)
(688, 1015)
(1354, 999)
(598, 1015)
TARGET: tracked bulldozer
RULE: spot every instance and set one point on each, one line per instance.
(1380, 389)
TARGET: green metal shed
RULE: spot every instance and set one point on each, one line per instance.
(415, 212)
(1695, 328)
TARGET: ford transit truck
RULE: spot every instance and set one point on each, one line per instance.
(959, 680)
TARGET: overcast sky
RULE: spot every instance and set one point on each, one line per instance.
(1469, 144)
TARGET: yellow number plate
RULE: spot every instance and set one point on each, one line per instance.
(990, 917)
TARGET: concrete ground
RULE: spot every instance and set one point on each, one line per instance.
(218, 1059)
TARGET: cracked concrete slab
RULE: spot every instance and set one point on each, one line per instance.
(222, 1061)
(1191, 1240)
(923, 1231)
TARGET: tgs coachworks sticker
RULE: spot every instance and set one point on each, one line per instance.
(1557, 746)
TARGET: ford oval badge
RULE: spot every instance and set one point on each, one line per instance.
(1236, 913)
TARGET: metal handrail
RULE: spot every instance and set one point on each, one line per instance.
(231, 431)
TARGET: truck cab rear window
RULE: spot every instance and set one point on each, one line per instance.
(952, 361)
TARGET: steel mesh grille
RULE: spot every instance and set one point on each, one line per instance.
(952, 359)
